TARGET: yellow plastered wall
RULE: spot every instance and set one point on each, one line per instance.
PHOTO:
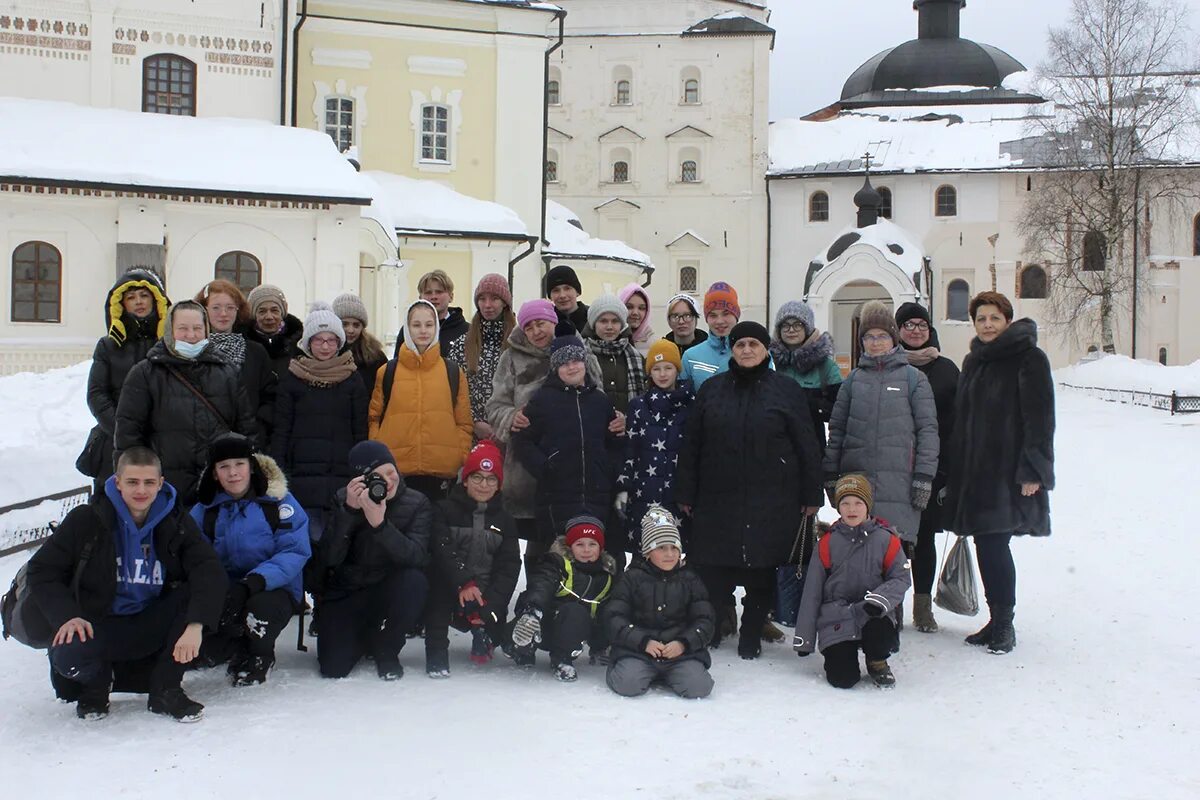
(455, 262)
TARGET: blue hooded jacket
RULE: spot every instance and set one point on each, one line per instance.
(710, 357)
(139, 575)
(245, 542)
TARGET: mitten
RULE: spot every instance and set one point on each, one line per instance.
(255, 583)
(235, 605)
(528, 630)
(922, 489)
(874, 605)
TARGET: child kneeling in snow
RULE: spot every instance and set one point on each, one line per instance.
(659, 618)
(856, 582)
(559, 610)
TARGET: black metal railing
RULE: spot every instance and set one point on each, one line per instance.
(1174, 402)
(22, 536)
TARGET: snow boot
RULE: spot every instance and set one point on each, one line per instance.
(565, 672)
(923, 619)
(174, 703)
(92, 703)
(252, 671)
(981, 637)
(881, 674)
(750, 642)
(1004, 636)
(389, 669)
(437, 664)
(481, 646)
(770, 633)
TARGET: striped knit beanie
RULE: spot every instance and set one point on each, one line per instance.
(659, 527)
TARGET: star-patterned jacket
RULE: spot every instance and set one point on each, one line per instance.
(654, 429)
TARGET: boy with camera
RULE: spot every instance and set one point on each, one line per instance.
(371, 570)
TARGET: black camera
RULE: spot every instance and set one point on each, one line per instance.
(377, 487)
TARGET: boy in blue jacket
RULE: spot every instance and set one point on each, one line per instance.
(260, 533)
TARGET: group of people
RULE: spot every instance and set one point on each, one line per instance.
(247, 461)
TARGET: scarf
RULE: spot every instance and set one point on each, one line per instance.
(635, 364)
(230, 346)
(805, 357)
(323, 374)
(922, 357)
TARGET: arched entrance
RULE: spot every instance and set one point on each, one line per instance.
(846, 306)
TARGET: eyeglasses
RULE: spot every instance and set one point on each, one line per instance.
(792, 327)
(916, 325)
(877, 337)
(681, 317)
(479, 479)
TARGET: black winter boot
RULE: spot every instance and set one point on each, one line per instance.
(174, 703)
(252, 670)
(92, 703)
(981, 637)
(1004, 636)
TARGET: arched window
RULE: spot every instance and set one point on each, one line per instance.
(958, 298)
(339, 121)
(240, 268)
(691, 92)
(552, 169)
(687, 279)
(36, 283)
(818, 207)
(1196, 236)
(620, 172)
(552, 95)
(1095, 254)
(169, 85)
(435, 132)
(688, 172)
(624, 93)
(1162, 356)
(947, 202)
(885, 202)
(1033, 283)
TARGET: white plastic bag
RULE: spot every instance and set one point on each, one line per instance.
(956, 586)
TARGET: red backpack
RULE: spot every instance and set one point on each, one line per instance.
(889, 558)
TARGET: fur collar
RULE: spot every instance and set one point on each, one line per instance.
(1016, 339)
(560, 549)
(805, 358)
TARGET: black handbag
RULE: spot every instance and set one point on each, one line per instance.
(91, 460)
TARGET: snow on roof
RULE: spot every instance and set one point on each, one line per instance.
(45, 140)
(885, 236)
(410, 205)
(566, 239)
(517, 4)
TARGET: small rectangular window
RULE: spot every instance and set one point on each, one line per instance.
(435, 133)
(339, 121)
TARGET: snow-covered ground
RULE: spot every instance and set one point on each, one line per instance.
(1101, 698)
(1123, 372)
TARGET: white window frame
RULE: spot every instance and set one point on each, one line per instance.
(423, 159)
(343, 125)
(324, 92)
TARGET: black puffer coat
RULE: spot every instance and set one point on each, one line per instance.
(1003, 437)
(183, 551)
(649, 604)
(942, 374)
(549, 582)
(315, 427)
(157, 411)
(281, 347)
(352, 556)
(476, 542)
(261, 384)
(570, 452)
(749, 465)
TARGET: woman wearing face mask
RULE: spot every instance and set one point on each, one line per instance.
(180, 398)
(1001, 461)
(135, 315)
(272, 326)
(423, 414)
(228, 315)
(637, 305)
(607, 338)
(360, 342)
(884, 426)
(478, 352)
(321, 413)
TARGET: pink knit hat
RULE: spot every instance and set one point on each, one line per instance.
(533, 310)
(496, 284)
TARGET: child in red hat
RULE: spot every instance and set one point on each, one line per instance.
(476, 562)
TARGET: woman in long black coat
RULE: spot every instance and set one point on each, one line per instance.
(919, 339)
(320, 413)
(749, 471)
(159, 409)
(135, 313)
(1002, 454)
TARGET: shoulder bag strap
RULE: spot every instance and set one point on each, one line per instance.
(200, 395)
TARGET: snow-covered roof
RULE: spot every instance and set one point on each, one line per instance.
(894, 243)
(567, 239)
(42, 140)
(530, 4)
(410, 206)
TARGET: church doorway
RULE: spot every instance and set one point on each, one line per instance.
(844, 320)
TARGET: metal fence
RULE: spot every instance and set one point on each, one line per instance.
(1174, 402)
(21, 535)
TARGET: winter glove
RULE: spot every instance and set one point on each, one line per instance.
(235, 605)
(831, 480)
(621, 503)
(874, 605)
(528, 630)
(255, 583)
(922, 489)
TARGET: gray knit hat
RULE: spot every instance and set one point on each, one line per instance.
(877, 316)
(350, 306)
(607, 304)
(266, 293)
(797, 310)
(321, 319)
(659, 527)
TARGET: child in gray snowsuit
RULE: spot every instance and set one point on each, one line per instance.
(856, 581)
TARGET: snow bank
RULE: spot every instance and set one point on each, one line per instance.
(409, 204)
(567, 239)
(46, 422)
(1122, 372)
(62, 141)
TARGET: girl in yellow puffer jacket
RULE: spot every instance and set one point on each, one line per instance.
(425, 425)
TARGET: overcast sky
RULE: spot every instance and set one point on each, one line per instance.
(820, 42)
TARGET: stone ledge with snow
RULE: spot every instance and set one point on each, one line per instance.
(566, 239)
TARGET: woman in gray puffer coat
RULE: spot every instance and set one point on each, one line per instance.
(884, 425)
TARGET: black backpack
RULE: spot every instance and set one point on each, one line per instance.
(389, 377)
(22, 619)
